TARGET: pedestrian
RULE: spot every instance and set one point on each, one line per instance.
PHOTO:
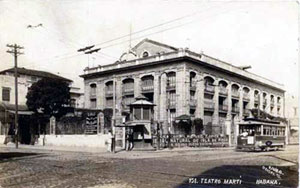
(109, 141)
(130, 139)
(127, 139)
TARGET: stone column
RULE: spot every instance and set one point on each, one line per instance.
(156, 96)
(100, 123)
(268, 105)
(281, 106)
(261, 102)
(275, 106)
(137, 85)
(164, 103)
(52, 125)
(229, 121)
(87, 95)
(199, 113)
(241, 104)
(251, 102)
(215, 118)
(118, 97)
(100, 94)
(180, 92)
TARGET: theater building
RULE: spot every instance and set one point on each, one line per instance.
(182, 83)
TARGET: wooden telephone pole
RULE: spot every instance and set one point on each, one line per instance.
(14, 49)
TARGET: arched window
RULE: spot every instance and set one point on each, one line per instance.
(209, 84)
(147, 83)
(246, 93)
(192, 79)
(209, 81)
(109, 87)
(223, 87)
(128, 85)
(93, 89)
(171, 76)
(235, 90)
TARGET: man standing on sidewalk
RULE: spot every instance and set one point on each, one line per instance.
(109, 141)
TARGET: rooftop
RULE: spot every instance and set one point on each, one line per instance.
(37, 73)
(176, 55)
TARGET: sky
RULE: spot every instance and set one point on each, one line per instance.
(263, 34)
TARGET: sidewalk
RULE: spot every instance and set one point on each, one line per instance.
(40, 148)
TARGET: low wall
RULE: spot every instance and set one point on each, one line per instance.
(74, 140)
(2, 138)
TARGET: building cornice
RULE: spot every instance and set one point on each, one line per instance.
(180, 56)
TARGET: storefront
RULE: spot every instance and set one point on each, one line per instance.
(7, 123)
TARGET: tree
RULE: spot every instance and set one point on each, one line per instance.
(49, 96)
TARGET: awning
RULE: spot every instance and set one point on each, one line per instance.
(21, 112)
(183, 118)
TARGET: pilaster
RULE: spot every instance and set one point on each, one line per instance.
(137, 85)
(199, 113)
(241, 104)
(251, 102)
(118, 96)
(156, 96)
(164, 103)
(100, 94)
(268, 105)
(180, 92)
(215, 118)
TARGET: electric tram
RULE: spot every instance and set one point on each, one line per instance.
(262, 135)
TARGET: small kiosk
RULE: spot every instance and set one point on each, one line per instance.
(141, 118)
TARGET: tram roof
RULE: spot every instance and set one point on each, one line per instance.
(261, 123)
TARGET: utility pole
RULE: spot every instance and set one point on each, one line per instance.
(114, 117)
(14, 49)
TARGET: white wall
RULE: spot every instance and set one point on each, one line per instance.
(75, 140)
(2, 138)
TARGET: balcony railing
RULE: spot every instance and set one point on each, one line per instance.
(172, 104)
(193, 85)
(223, 107)
(223, 91)
(209, 88)
(109, 92)
(193, 102)
(265, 101)
(171, 86)
(256, 98)
(278, 102)
(146, 88)
(235, 109)
(209, 105)
(109, 104)
(128, 90)
(246, 111)
(235, 93)
(246, 96)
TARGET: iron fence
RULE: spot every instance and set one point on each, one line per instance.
(178, 140)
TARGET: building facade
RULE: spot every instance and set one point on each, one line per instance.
(26, 77)
(181, 82)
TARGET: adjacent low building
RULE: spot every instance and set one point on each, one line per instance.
(182, 83)
(26, 77)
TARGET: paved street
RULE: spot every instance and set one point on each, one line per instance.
(29, 167)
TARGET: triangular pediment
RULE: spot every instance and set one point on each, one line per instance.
(151, 48)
